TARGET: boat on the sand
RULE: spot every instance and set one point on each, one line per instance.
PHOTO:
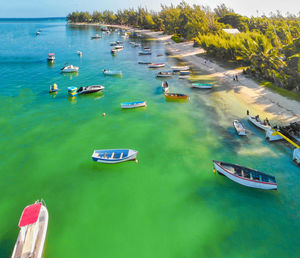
(33, 226)
(246, 176)
(113, 156)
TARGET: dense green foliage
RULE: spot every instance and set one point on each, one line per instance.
(268, 46)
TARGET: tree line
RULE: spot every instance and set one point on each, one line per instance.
(268, 46)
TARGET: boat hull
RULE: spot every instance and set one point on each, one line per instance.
(244, 181)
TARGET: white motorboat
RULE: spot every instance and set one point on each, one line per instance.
(113, 156)
(112, 73)
(159, 65)
(239, 127)
(180, 68)
(33, 226)
(246, 176)
(51, 57)
(69, 69)
(133, 104)
(90, 89)
(296, 156)
(258, 123)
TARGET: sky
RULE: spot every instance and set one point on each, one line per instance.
(61, 8)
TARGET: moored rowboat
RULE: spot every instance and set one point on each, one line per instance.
(112, 73)
(33, 226)
(134, 104)
(176, 96)
(156, 65)
(114, 155)
(239, 127)
(246, 176)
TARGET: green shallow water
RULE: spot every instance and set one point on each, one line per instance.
(169, 204)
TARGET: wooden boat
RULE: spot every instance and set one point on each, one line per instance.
(164, 74)
(144, 62)
(97, 36)
(114, 155)
(296, 156)
(70, 69)
(176, 96)
(33, 226)
(134, 104)
(159, 65)
(258, 123)
(246, 176)
(239, 127)
(165, 86)
(145, 53)
(180, 68)
(51, 57)
(112, 73)
(90, 89)
(202, 85)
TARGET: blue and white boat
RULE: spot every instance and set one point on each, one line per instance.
(114, 155)
(134, 104)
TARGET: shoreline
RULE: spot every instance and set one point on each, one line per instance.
(246, 91)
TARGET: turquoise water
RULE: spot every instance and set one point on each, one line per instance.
(169, 204)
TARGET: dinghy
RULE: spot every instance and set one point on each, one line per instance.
(176, 96)
(114, 155)
(112, 73)
(69, 69)
(33, 226)
(258, 123)
(90, 89)
(201, 85)
(239, 127)
(164, 74)
(165, 86)
(156, 65)
(180, 68)
(134, 104)
(246, 176)
(296, 156)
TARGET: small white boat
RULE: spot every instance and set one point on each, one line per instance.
(97, 36)
(134, 104)
(112, 73)
(270, 136)
(38, 33)
(144, 62)
(258, 123)
(79, 53)
(239, 127)
(119, 47)
(33, 226)
(180, 68)
(202, 85)
(114, 155)
(164, 74)
(51, 57)
(296, 156)
(90, 89)
(165, 86)
(69, 69)
(145, 53)
(160, 65)
(246, 176)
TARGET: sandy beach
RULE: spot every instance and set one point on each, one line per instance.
(249, 93)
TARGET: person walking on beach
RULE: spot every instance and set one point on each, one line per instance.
(236, 77)
(233, 77)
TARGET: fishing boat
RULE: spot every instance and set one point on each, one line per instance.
(164, 74)
(134, 104)
(72, 91)
(180, 68)
(176, 96)
(187, 72)
(97, 36)
(53, 88)
(144, 62)
(114, 155)
(112, 73)
(90, 89)
(33, 226)
(145, 53)
(239, 127)
(159, 65)
(202, 85)
(69, 69)
(165, 86)
(258, 123)
(246, 176)
(296, 156)
(51, 57)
